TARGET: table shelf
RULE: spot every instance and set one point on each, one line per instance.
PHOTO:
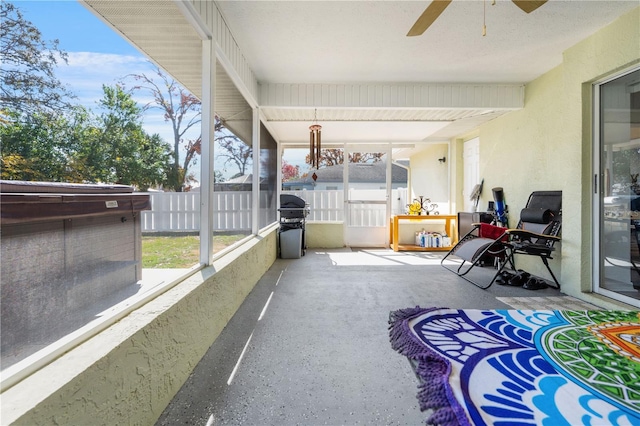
(413, 247)
(450, 226)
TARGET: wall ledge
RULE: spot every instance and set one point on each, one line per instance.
(129, 372)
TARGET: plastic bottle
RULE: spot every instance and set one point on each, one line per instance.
(446, 240)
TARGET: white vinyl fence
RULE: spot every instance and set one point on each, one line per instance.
(180, 211)
(329, 205)
(325, 206)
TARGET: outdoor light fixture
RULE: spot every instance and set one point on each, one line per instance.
(315, 133)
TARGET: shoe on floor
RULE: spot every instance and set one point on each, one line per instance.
(504, 277)
(519, 279)
(534, 283)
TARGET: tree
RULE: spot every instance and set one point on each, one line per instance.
(76, 146)
(289, 171)
(42, 147)
(122, 152)
(45, 137)
(28, 83)
(192, 148)
(182, 110)
(237, 152)
(233, 149)
(218, 177)
(333, 157)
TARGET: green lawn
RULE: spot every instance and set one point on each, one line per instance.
(179, 252)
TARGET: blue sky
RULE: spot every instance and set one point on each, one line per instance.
(97, 55)
(66, 20)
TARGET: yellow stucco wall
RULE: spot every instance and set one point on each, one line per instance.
(429, 177)
(548, 145)
(456, 190)
(325, 234)
(130, 372)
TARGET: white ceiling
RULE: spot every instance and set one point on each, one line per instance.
(351, 125)
(360, 131)
(365, 42)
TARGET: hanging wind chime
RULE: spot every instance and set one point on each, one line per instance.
(315, 136)
(484, 16)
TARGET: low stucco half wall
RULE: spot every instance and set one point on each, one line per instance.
(130, 372)
(324, 234)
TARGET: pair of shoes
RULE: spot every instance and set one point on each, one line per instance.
(519, 279)
(504, 277)
(535, 284)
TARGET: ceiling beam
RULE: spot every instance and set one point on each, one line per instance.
(424, 95)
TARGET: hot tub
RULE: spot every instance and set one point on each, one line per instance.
(66, 251)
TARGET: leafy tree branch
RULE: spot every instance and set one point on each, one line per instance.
(27, 77)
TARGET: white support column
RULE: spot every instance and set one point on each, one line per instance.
(450, 163)
(345, 185)
(280, 153)
(255, 211)
(206, 163)
(389, 180)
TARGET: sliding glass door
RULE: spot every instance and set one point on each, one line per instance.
(616, 186)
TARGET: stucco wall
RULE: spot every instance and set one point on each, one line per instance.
(130, 372)
(613, 48)
(547, 145)
(325, 234)
(429, 177)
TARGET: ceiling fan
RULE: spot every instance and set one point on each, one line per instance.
(436, 7)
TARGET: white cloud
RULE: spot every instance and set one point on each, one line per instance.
(108, 65)
(86, 72)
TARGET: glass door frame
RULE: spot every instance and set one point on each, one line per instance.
(598, 192)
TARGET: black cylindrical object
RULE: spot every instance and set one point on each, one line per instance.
(500, 207)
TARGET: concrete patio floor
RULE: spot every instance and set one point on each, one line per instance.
(310, 346)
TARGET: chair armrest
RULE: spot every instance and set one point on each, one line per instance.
(472, 231)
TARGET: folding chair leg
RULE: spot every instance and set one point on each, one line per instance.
(462, 269)
(498, 272)
(463, 273)
(546, 263)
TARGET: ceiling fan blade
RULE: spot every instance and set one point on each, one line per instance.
(428, 17)
(529, 5)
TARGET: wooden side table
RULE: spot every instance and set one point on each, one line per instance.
(450, 226)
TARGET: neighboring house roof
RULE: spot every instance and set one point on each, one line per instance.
(358, 172)
(240, 183)
(240, 179)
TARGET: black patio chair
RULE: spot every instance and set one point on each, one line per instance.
(536, 234)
